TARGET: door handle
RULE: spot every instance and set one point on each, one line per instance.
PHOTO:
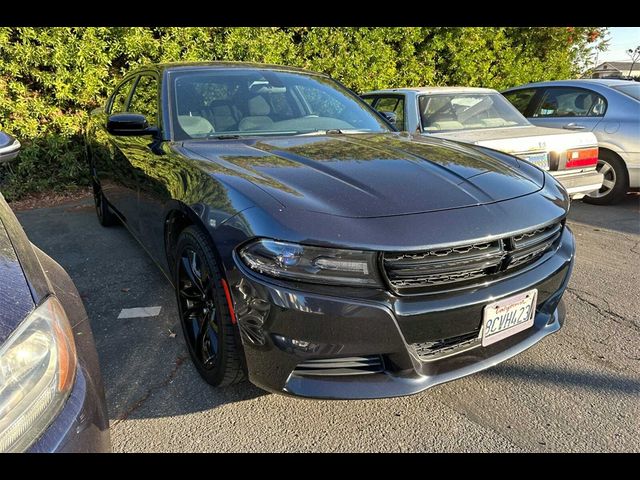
(573, 126)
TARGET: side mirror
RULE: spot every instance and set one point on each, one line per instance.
(9, 147)
(390, 116)
(129, 125)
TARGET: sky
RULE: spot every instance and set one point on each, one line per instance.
(621, 39)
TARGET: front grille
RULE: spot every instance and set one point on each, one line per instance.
(528, 246)
(470, 264)
(341, 366)
(447, 346)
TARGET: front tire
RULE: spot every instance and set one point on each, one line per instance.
(204, 314)
(105, 216)
(616, 180)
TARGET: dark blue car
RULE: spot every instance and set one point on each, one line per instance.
(51, 391)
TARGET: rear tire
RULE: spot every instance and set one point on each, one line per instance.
(105, 216)
(205, 318)
(616, 180)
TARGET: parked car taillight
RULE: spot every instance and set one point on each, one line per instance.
(582, 157)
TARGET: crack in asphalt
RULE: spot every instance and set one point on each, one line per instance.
(136, 405)
(619, 319)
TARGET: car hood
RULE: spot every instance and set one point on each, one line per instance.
(15, 296)
(523, 139)
(368, 175)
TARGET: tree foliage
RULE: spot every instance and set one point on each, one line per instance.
(50, 78)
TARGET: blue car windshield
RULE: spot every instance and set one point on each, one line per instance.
(224, 102)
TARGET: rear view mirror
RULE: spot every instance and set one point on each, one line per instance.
(129, 125)
(9, 147)
(390, 116)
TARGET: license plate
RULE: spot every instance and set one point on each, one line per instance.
(508, 316)
(540, 160)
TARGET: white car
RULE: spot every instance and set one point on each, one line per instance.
(484, 117)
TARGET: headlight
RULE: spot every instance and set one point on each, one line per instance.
(37, 371)
(311, 264)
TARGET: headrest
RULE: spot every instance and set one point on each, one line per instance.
(581, 101)
(258, 106)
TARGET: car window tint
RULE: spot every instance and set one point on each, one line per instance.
(521, 98)
(320, 102)
(145, 99)
(119, 101)
(467, 111)
(570, 102)
(633, 89)
(393, 104)
(261, 102)
(280, 105)
(369, 100)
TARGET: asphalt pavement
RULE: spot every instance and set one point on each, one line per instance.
(576, 391)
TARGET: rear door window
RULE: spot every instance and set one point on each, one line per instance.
(570, 102)
(393, 104)
(521, 99)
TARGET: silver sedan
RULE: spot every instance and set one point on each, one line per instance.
(608, 108)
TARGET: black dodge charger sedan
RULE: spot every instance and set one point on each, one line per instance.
(314, 249)
(51, 392)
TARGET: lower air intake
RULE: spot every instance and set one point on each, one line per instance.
(341, 366)
(447, 346)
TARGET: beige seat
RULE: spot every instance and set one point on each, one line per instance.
(445, 125)
(494, 122)
(195, 126)
(258, 118)
(223, 115)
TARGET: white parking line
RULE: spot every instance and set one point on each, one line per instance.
(139, 312)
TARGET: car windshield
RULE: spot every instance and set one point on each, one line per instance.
(467, 111)
(633, 90)
(230, 102)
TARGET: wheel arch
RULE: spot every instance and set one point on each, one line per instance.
(178, 217)
(615, 154)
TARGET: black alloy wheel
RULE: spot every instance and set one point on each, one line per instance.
(206, 322)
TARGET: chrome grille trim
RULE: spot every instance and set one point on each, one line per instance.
(536, 236)
(467, 264)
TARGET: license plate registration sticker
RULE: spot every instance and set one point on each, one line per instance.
(540, 160)
(508, 316)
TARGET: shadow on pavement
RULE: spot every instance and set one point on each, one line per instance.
(568, 378)
(140, 358)
(623, 217)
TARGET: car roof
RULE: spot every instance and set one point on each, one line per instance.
(607, 82)
(222, 64)
(433, 90)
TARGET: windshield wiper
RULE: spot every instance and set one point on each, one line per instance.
(223, 136)
(331, 131)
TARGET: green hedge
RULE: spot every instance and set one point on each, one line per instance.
(50, 78)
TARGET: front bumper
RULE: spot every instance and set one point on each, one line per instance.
(284, 327)
(580, 183)
(81, 426)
